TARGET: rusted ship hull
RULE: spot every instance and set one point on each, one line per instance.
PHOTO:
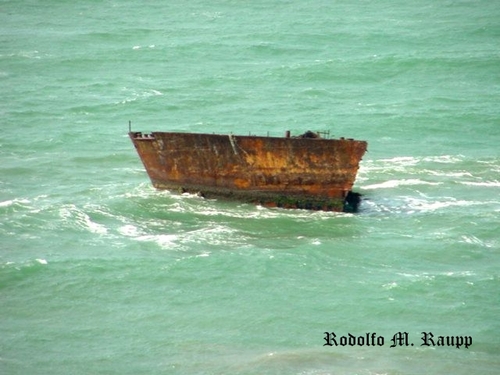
(308, 173)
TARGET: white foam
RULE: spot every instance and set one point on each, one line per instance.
(448, 174)
(81, 219)
(153, 93)
(390, 285)
(426, 205)
(402, 160)
(445, 159)
(485, 183)
(129, 230)
(473, 240)
(402, 163)
(7, 203)
(13, 202)
(396, 183)
(133, 94)
(163, 240)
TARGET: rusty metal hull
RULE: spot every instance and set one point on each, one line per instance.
(309, 173)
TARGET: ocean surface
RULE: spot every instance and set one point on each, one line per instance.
(102, 274)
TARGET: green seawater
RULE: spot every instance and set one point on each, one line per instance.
(102, 274)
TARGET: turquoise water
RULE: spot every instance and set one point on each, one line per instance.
(101, 274)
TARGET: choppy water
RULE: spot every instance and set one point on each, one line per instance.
(101, 274)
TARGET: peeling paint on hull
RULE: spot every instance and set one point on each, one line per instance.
(307, 173)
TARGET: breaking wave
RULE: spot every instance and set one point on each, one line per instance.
(428, 184)
(395, 183)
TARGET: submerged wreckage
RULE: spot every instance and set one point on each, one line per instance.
(307, 171)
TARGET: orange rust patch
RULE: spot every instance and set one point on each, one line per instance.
(241, 183)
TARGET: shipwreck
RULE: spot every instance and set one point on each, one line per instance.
(305, 172)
